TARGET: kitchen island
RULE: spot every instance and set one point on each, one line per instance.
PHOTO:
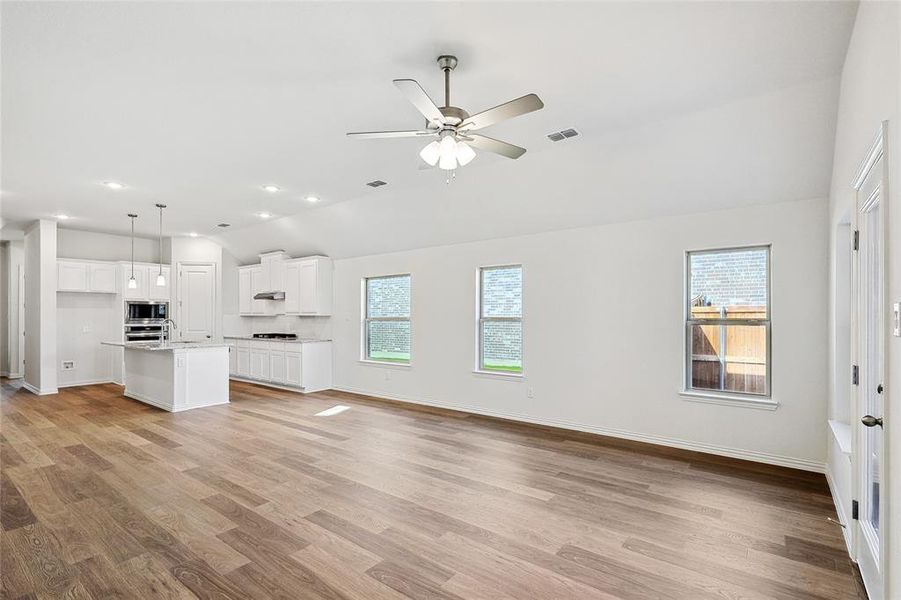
(176, 376)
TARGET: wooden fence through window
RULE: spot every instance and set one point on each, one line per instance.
(729, 357)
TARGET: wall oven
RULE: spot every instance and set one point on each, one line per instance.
(142, 312)
(143, 333)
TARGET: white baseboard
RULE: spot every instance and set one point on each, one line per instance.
(88, 382)
(39, 392)
(166, 407)
(278, 386)
(751, 455)
(840, 510)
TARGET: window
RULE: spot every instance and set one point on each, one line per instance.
(500, 319)
(386, 319)
(728, 322)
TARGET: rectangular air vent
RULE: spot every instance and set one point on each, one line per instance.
(562, 135)
(377, 183)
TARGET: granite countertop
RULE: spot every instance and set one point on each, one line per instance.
(296, 341)
(167, 346)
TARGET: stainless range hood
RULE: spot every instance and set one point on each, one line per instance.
(269, 296)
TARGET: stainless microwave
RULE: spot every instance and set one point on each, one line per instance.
(143, 311)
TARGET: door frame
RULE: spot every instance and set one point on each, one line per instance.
(177, 293)
(873, 581)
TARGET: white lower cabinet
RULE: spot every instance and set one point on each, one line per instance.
(278, 370)
(243, 366)
(232, 357)
(307, 365)
(259, 363)
(293, 361)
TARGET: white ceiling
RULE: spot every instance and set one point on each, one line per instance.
(681, 107)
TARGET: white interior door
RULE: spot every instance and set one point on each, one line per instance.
(870, 436)
(197, 302)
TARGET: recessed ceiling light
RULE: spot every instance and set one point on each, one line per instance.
(193, 234)
(312, 199)
(271, 188)
(264, 215)
(61, 217)
(113, 185)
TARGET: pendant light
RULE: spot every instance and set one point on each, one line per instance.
(161, 279)
(132, 282)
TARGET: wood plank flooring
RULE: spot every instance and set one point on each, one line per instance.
(104, 497)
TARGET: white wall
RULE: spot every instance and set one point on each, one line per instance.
(83, 322)
(5, 321)
(870, 94)
(40, 307)
(14, 317)
(87, 245)
(603, 331)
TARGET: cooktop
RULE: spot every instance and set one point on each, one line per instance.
(276, 336)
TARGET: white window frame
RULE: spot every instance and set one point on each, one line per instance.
(727, 397)
(480, 319)
(366, 319)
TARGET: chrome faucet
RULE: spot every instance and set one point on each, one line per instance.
(165, 332)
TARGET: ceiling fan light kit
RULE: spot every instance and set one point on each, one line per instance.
(453, 126)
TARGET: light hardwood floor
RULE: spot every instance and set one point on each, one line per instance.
(104, 497)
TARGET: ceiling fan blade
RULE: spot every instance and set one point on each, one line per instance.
(488, 144)
(508, 110)
(415, 94)
(367, 135)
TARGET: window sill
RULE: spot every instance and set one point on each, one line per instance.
(842, 433)
(729, 400)
(381, 363)
(497, 374)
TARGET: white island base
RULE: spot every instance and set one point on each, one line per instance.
(177, 378)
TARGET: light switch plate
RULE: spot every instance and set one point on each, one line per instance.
(896, 319)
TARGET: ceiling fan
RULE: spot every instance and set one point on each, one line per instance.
(452, 126)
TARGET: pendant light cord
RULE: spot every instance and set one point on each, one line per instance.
(161, 207)
(132, 216)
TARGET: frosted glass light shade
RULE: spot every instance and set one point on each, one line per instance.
(132, 283)
(465, 153)
(448, 150)
(430, 154)
(161, 279)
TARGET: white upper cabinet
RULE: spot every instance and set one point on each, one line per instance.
(85, 276)
(258, 284)
(306, 282)
(245, 291)
(71, 276)
(100, 277)
(308, 286)
(103, 278)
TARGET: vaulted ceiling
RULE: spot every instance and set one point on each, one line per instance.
(681, 107)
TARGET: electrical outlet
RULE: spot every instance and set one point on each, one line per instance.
(86, 329)
(68, 365)
(530, 393)
(387, 375)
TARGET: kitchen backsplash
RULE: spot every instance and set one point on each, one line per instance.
(304, 327)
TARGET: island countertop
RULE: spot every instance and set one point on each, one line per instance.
(166, 346)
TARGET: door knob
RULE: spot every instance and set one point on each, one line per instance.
(871, 421)
(879, 389)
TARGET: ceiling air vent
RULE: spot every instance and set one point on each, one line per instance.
(562, 135)
(377, 183)
(224, 225)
